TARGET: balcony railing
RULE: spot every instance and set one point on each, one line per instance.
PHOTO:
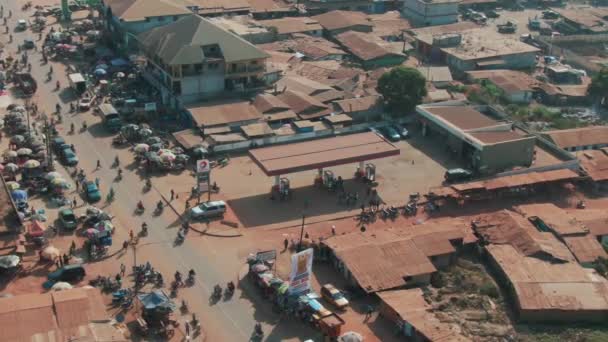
(245, 69)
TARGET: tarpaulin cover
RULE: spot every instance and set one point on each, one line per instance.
(19, 195)
(156, 299)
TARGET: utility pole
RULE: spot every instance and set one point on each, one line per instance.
(47, 141)
(302, 227)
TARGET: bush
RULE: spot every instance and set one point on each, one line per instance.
(438, 280)
(489, 289)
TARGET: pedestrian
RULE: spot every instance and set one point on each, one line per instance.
(333, 230)
(66, 259)
(368, 312)
(57, 263)
(285, 244)
(73, 248)
(125, 245)
(172, 194)
(412, 161)
(187, 204)
(131, 234)
(75, 202)
(123, 269)
(98, 164)
(77, 185)
(97, 181)
(187, 330)
(118, 277)
(40, 255)
(60, 261)
(54, 229)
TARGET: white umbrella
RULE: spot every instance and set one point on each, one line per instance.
(52, 175)
(10, 154)
(140, 148)
(9, 261)
(31, 164)
(120, 74)
(24, 151)
(11, 167)
(60, 286)
(350, 336)
(51, 253)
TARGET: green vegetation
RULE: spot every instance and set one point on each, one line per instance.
(599, 85)
(601, 266)
(489, 289)
(569, 332)
(488, 93)
(541, 114)
(402, 88)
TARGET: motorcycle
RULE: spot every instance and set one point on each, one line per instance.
(191, 280)
(159, 208)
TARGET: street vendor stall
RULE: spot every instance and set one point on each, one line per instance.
(35, 229)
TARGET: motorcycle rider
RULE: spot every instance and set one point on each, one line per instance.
(116, 161)
(144, 228)
(72, 127)
(140, 205)
(119, 173)
(159, 205)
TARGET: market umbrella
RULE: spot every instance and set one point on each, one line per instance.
(24, 151)
(18, 139)
(177, 150)
(156, 147)
(153, 140)
(164, 151)
(167, 157)
(350, 336)
(60, 286)
(9, 261)
(145, 132)
(91, 233)
(141, 148)
(52, 175)
(11, 167)
(120, 74)
(18, 195)
(182, 157)
(104, 226)
(51, 253)
(40, 154)
(93, 211)
(60, 183)
(153, 157)
(102, 66)
(100, 72)
(1, 167)
(31, 164)
(10, 154)
(13, 185)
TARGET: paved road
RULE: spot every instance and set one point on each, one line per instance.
(232, 320)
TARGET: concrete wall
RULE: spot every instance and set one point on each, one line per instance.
(497, 157)
(422, 13)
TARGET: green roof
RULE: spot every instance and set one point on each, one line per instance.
(182, 42)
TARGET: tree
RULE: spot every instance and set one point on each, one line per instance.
(403, 88)
(599, 85)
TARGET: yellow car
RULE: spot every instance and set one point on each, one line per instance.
(334, 296)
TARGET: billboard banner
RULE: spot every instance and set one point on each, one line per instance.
(301, 271)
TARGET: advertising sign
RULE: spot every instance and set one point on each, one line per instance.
(202, 166)
(301, 271)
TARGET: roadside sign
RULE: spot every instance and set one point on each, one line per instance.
(202, 166)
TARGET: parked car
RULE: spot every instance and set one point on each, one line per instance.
(208, 209)
(390, 133)
(69, 273)
(91, 191)
(403, 132)
(85, 102)
(334, 296)
(28, 44)
(57, 143)
(492, 14)
(69, 157)
(68, 219)
(21, 25)
(457, 175)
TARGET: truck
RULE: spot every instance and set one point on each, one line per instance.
(110, 117)
(78, 83)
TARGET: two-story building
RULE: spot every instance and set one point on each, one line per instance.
(193, 59)
(124, 19)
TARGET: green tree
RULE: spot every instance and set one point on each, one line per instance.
(599, 85)
(402, 88)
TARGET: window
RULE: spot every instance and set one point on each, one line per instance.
(161, 18)
(408, 278)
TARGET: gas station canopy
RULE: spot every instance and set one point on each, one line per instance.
(322, 153)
